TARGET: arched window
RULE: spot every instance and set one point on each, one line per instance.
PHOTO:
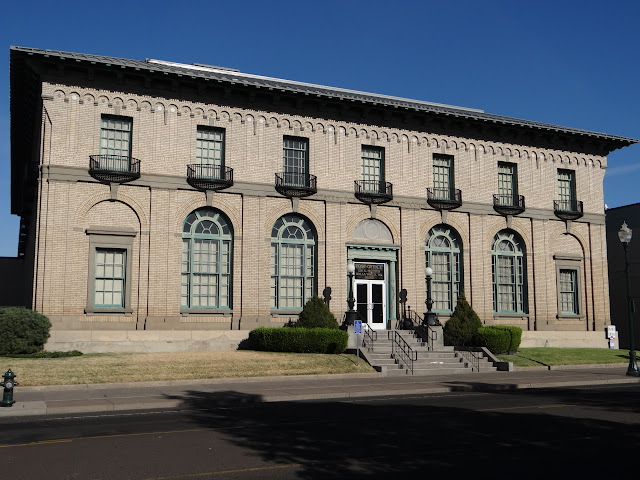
(508, 269)
(207, 239)
(443, 254)
(293, 259)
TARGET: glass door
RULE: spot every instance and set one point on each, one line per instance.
(370, 303)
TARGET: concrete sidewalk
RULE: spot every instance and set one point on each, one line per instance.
(75, 399)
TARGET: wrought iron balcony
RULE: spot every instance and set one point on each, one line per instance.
(508, 204)
(295, 184)
(444, 198)
(373, 191)
(568, 209)
(114, 168)
(209, 177)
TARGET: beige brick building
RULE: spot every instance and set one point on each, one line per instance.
(188, 203)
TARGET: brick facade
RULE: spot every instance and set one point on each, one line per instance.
(71, 204)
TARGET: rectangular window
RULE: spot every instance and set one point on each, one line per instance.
(441, 280)
(210, 146)
(109, 270)
(372, 169)
(507, 183)
(568, 292)
(115, 136)
(567, 190)
(295, 157)
(109, 286)
(443, 177)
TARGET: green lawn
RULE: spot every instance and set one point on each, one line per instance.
(529, 357)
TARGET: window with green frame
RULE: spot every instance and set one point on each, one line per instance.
(295, 159)
(442, 176)
(567, 190)
(115, 136)
(210, 148)
(293, 262)
(207, 245)
(507, 183)
(373, 169)
(568, 292)
(508, 269)
(443, 254)
(115, 143)
(109, 278)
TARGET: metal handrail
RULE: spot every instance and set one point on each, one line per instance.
(405, 352)
(470, 356)
(370, 335)
(425, 332)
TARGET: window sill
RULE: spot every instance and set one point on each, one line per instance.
(206, 311)
(511, 315)
(293, 311)
(569, 317)
(102, 311)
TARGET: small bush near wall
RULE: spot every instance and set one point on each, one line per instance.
(299, 340)
(461, 328)
(22, 331)
(516, 336)
(497, 340)
(316, 314)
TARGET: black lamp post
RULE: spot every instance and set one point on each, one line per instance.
(624, 234)
(430, 318)
(351, 314)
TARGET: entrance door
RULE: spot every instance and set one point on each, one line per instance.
(371, 294)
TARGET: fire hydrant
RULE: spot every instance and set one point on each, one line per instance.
(8, 384)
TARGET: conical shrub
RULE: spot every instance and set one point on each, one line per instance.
(462, 328)
(316, 314)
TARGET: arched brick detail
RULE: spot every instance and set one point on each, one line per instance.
(197, 201)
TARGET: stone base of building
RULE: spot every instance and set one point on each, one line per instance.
(566, 339)
(193, 340)
(145, 341)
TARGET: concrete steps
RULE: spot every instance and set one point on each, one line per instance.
(443, 361)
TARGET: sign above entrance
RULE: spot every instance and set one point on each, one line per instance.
(369, 271)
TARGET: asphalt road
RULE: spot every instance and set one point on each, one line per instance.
(582, 431)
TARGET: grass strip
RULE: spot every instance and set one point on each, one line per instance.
(141, 367)
(547, 356)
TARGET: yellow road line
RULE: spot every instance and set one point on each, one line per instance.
(223, 472)
(67, 440)
(553, 405)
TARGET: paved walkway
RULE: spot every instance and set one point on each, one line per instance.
(75, 399)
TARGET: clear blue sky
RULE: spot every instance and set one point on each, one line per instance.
(570, 63)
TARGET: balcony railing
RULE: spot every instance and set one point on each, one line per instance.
(444, 198)
(296, 184)
(568, 209)
(209, 177)
(373, 191)
(508, 204)
(114, 168)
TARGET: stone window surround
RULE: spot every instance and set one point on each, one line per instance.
(569, 262)
(110, 238)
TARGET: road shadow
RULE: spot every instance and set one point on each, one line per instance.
(367, 440)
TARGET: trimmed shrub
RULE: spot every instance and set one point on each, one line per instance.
(516, 336)
(299, 340)
(497, 340)
(316, 314)
(22, 331)
(461, 328)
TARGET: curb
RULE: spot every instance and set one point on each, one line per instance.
(160, 402)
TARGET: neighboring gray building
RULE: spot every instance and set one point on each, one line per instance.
(617, 279)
